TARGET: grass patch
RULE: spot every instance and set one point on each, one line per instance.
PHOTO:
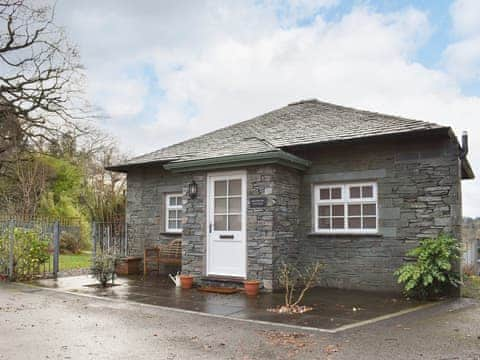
(75, 261)
(471, 288)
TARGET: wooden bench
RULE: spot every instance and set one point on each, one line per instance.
(170, 254)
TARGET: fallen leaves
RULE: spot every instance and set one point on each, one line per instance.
(291, 309)
(330, 349)
(295, 340)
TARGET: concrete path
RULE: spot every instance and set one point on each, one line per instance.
(42, 324)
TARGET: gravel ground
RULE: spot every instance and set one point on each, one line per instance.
(42, 324)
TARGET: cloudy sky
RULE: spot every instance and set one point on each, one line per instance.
(164, 71)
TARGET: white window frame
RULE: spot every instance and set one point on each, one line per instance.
(172, 207)
(345, 200)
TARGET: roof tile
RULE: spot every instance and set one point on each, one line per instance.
(303, 122)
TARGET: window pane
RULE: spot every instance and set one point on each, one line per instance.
(234, 205)
(179, 224)
(172, 224)
(370, 223)
(234, 222)
(220, 206)
(324, 223)
(367, 191)
(235, 187)
(325, 194)
(369, 209)
(324, 210)
(172, 200)
(354, 210)
(220, 188)
(354, 223)
(338, 210)
(336, 193)
(220, 222)
(355, 192)
(172, 214)
(338, 223)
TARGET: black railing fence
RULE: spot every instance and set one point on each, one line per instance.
(43, 239)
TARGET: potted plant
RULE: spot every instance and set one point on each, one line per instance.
(251, 287)
(186, 281)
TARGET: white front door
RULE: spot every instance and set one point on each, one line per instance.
(226, 224)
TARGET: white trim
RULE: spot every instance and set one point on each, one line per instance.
(172, 207)
(345, 200)
(241, 174)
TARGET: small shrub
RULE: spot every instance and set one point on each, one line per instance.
(69, 243)
(296, 282)
(104, 268)
(469, 270)
(31, 251)
(432, 272)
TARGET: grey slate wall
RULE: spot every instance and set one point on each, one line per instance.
(419, 196)
(272, 231)
(146, 192)
(194, 243)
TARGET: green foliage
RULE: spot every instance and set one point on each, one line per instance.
(432, 272)
(69, 243)
(31, 251)
(104, 268)
(68, 177)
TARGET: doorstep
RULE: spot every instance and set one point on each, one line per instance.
(222, 281)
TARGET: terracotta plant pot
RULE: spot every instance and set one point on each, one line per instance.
(251, 287)
(186, 281)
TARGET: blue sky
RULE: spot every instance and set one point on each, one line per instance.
(164, 71)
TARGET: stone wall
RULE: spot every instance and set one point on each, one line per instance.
(147, 188)
(272, 231)
(194, 241)
(419, 195)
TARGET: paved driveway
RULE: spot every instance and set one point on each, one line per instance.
(333, 309)
(43, 324)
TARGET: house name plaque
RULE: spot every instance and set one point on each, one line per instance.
(258, 202)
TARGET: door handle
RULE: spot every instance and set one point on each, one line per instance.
(210, 228)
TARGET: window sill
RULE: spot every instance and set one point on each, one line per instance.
(355, 234)
(170, 233)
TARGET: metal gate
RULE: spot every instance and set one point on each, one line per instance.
(109, 238)
(23, 239)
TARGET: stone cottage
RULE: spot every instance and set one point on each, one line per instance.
(310, 181)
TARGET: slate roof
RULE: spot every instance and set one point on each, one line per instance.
(303, 122)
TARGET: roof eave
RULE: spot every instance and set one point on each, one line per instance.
(467, 171)
(235, 161)
(125, 168)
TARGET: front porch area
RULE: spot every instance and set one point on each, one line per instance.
(333, 309)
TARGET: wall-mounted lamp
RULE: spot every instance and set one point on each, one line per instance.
(192, 189)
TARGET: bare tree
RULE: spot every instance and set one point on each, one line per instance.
(41, 78)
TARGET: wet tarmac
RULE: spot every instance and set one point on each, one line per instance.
(332, 308)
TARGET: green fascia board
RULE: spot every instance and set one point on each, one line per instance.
(234, 161)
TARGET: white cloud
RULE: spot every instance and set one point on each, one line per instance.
(219, 64)
(121, 97)
(466, 17)
(462, 57)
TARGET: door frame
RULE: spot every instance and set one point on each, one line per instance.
(209, 210)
